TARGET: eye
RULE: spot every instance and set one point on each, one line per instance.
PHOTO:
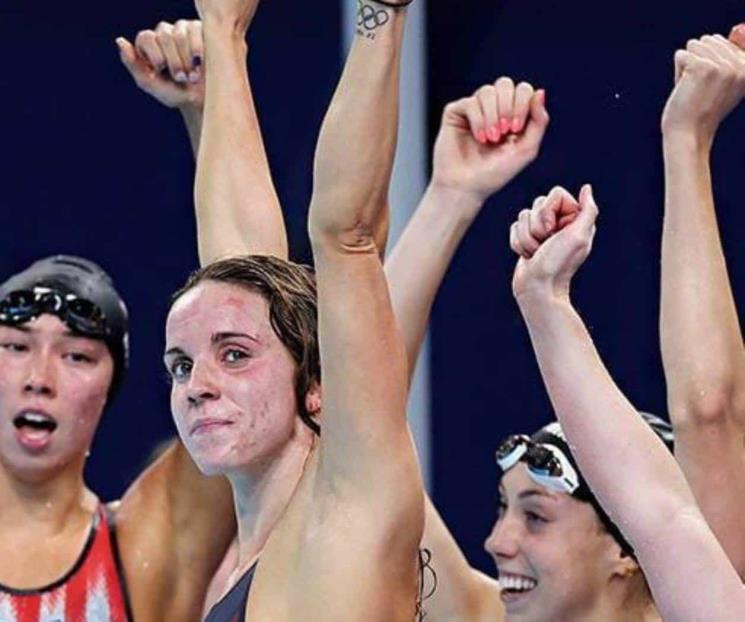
(534, 519)
(234, 355)
(14, 347)
(78, 357)
(180, 369)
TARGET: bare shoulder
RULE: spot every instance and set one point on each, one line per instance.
(336, 559)
(174, 526)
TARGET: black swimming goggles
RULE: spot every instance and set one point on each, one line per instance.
(547, 464)
(81, 315)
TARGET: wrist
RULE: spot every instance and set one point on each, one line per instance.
(227, 29)
(456, 200)
(537, 298)
(689, 138)
(191, 113)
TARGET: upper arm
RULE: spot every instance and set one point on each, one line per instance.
(711, 453)
(174, 527)
(366, 446)
(693, 580)
(462, 593)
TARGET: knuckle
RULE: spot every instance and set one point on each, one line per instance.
(145, 37)
(163, 27)
(487, 89)
(525, 87)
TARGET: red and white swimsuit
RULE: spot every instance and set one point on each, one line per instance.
(92, 591)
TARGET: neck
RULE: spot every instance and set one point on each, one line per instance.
(262, 494)
(48, 505)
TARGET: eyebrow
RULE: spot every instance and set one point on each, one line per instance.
(530, 494)
(216, 338)
(536, 492)
(224, 336)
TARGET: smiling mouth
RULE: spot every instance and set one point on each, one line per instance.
(513, 586)
(34, 421)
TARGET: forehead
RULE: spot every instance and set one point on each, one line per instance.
(517, 483)
(212, 306)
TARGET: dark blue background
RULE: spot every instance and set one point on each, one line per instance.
(92, 166)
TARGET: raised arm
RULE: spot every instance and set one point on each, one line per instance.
(635, 478)
(473, 160)
(166, 63)
(702, 344)
(366, 447)
(237, 206)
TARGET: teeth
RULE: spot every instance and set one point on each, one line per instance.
(34, 418)
(516, 583)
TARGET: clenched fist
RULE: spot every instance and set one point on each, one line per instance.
(167, 63)
(553, 239)
(487, 139)
(709, 83)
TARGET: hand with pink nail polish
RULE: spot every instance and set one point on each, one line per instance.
(167, 63)
(709, 84)
(487, 139)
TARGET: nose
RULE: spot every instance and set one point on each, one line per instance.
(503, 541)
(41, 377)
(202, 386)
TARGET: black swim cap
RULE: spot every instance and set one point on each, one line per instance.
(553, 435)
(84, 279)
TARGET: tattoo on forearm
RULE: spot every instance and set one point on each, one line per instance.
(370, 19)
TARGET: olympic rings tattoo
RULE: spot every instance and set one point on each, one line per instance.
(370, 18)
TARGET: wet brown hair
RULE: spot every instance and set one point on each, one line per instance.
(290, 291)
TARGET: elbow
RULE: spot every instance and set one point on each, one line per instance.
(711, 405)
(347, 232)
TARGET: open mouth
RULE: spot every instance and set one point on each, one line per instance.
(513, 586)
(35, 422)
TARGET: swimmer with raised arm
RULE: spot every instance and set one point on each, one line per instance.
(638, 482)
(329, 527)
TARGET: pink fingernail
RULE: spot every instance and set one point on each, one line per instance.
(504, 125)
(481, 136)
(517, 124)
(494, 134)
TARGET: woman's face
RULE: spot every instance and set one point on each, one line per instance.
(553, 555)
(53, 388)
(233, 393)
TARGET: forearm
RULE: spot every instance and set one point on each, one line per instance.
(192, 118)
(702, 344)
(238, 211)
(632, 473)
(357, 143)
(421, 258)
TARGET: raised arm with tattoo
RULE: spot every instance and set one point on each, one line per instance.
(702, 343)
(473, 159)
(368, 462)
(637, 480)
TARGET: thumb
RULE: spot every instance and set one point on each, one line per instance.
(588, 212)
(539, 119)
(737, 36)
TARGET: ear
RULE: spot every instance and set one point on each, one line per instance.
(622, 565)
(313, 399)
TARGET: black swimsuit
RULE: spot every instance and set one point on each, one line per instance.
(232, 607)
